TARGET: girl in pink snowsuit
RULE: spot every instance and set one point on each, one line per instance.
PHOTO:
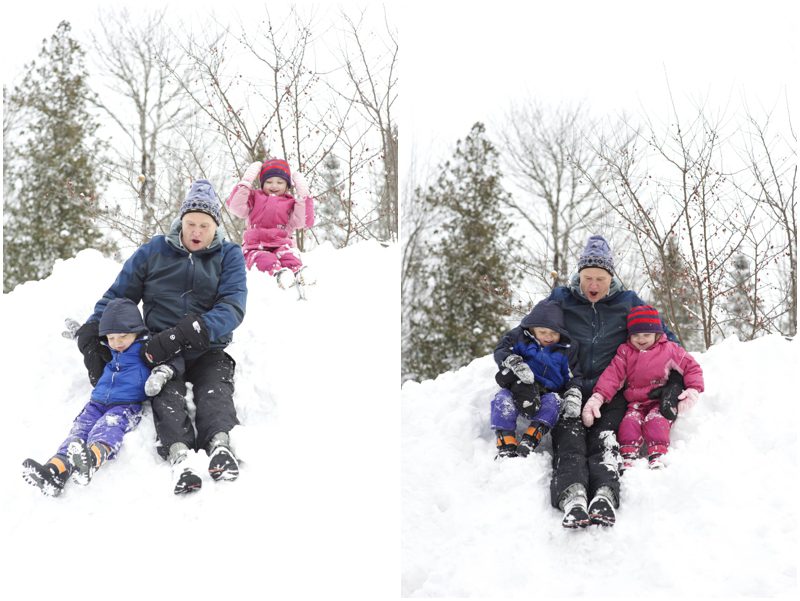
(642, 364)
(272, 215)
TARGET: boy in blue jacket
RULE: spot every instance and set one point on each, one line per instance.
(114, 409)
(534, 363)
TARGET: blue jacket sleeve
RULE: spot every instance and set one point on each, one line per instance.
(505, 347)
(230, 305)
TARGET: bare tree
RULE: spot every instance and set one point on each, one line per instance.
(138, 60)
(375, 82)
(548, 154)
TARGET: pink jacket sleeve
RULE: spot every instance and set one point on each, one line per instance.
(691, 370)
(302, 214)
(614, 376)
(237, 201)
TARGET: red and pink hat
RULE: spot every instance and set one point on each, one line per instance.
(644, 319)
(275, 168)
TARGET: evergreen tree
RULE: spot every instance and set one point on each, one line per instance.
(467, 268)
(742, 305)
(329, 213)
(55, 176)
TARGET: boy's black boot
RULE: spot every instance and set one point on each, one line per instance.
(50, 478)
(85, 461)
(531, 439)
(506, 444)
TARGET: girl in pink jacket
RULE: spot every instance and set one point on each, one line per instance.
(272, 215)
(643, 364)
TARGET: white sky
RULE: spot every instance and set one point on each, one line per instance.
(465, 62)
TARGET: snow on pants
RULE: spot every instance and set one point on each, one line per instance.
(273, 259)
(587, 456)
(643, 422)
(211, 375)
(103, 423)
(505, 412)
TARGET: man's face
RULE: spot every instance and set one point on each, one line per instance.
(197, 231)
(595, 283)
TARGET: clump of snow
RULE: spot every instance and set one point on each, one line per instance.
(719, 520)
(317, 387)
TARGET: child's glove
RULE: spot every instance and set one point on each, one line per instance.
(669, 393)
(526, 398)
(592, 409)
(687, 399)
(520, 368)
(300, 185)
(572, 402)
(250, 174)
(158, 377)
(72, 328)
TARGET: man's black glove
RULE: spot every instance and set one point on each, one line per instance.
(95, 354)
(189, 333)
(668, 393)
(526, 398)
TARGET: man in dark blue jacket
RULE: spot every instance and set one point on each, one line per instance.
(586, 461)
(193, 288)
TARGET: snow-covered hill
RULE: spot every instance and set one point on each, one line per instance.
(720, 521)
(315, 512)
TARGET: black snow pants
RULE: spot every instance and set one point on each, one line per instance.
(588, 456)
(211, 375)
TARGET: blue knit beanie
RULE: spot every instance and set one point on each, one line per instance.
(597, 254)
(202, 199)
(121, 316)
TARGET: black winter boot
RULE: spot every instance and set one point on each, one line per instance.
(506, 444)
(574, 507)
(50, 478)
(222, 464)
(185, 478)
(601, 509)
(531, 439)
(85, 461)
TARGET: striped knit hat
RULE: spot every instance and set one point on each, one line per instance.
(644, 319)
(275, 168)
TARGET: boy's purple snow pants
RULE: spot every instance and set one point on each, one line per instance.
(643, 422)
(103, 423)
(505, 412)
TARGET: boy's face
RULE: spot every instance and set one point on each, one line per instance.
(595, 283)
(545, 336)
(643, 341)
(275, 186)
(121, 342)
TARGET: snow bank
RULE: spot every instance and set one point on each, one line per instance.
(316, 392)
(719, 521)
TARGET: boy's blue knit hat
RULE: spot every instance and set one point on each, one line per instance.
(597, 254)
(202, 199)
(546, 314)
(121, 316)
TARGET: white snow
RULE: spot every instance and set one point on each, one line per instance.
(315, 511)
(719, 521)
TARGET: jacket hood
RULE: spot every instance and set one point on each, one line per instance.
(121, 316)
(547, 314)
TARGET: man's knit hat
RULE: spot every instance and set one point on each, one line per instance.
(644, 319)
(202, 199)
(275, 168)
(597, 254)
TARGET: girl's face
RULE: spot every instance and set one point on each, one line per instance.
(545, 336)
(275, 186)
(643, 341)
(121, 342)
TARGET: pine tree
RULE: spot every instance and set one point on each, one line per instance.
(467, 264)
(55, 175)
(742, 305)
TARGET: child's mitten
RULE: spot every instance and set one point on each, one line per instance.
(687, 399)
(591, 409)
(158, 377)
(668, 393)
(520, 368)
(72, 328)
(572, 402)
(526, 398)
(300, 185)
(250, 174)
